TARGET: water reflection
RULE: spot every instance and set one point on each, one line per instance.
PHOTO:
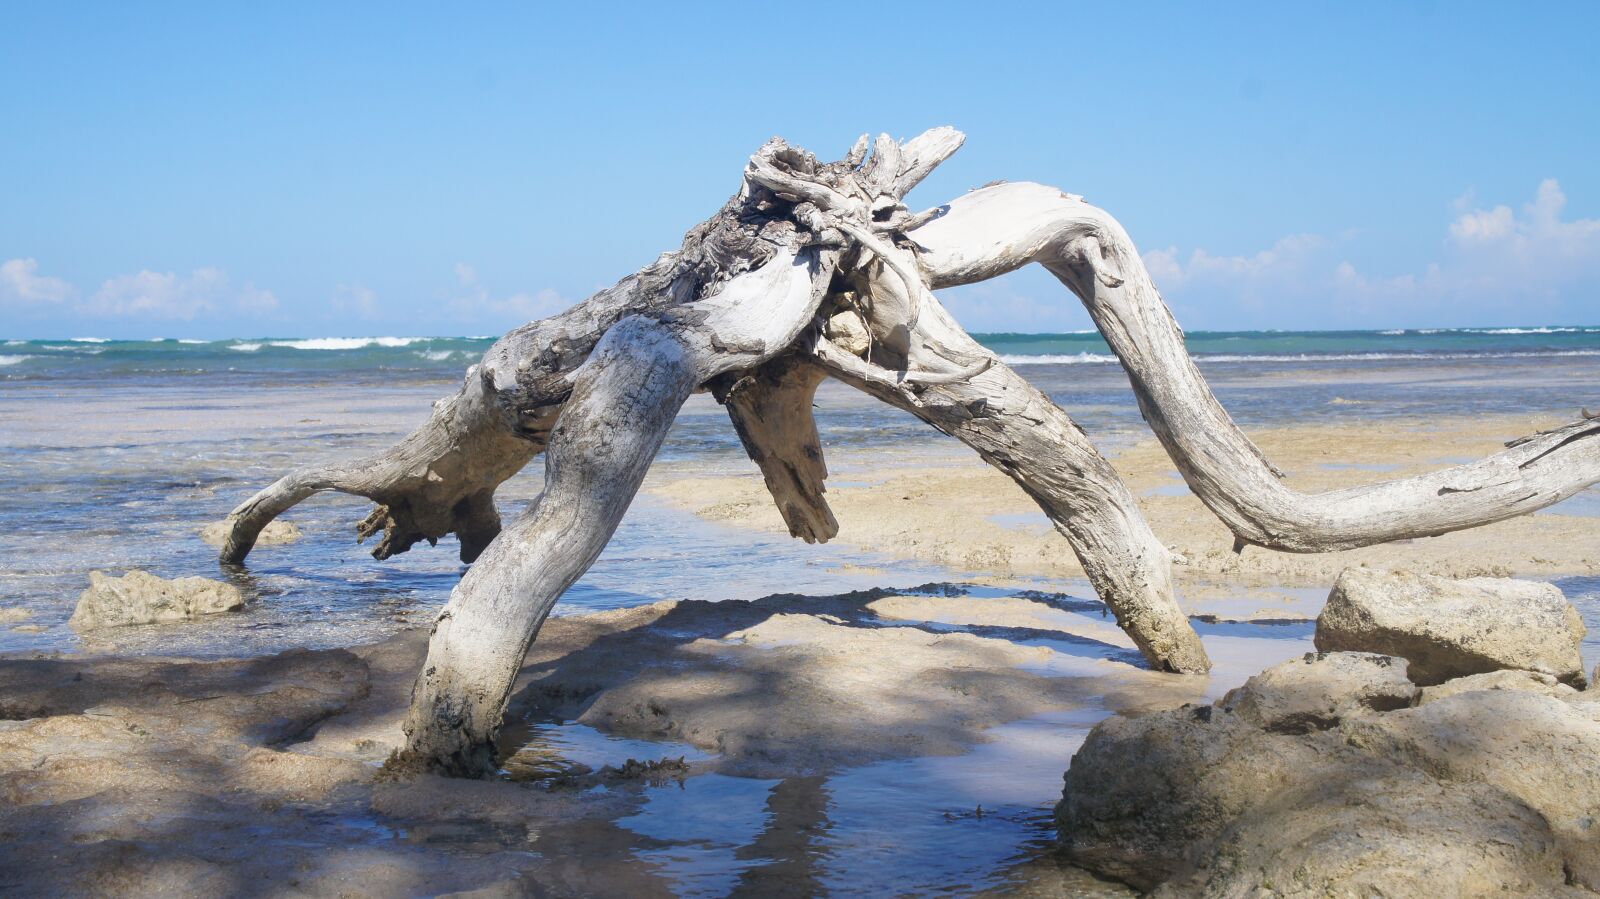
(946, 825)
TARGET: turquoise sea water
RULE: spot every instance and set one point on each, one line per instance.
(312, 358)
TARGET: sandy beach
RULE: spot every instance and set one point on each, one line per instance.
(958, 512)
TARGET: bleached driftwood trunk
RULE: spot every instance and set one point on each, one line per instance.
(815, 270)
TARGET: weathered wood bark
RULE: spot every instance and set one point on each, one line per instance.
(928, 365)
(997, 229)
(1017, 429)
(811, 270)
(771, 410)
(623, 401)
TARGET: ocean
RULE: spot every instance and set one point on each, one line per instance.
(244, 359)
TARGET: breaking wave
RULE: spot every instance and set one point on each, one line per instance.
(347, 343)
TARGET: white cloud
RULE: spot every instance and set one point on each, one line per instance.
(20, 282)
(474, 300)
(354, 299)
(255, 301)
(1254, 281)
(169, 295)
(1496, 264)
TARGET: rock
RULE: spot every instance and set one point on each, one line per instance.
(1146, 796)
(1450, 628)
(1317, 691)
(276, 533)
(12, 616)
(1541, 750)
(1316, 778)
(1398, 834)
(1528, 681)
(142, 598)
(1205, 767)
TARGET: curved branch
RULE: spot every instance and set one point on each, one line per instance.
(998, 229)
(624, 401)
(439, 480)
(1017, 429)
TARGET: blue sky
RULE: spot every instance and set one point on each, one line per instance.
(216, 170)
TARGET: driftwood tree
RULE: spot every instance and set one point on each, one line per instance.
(815, 270)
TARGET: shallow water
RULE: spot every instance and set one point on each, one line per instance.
(940, 825)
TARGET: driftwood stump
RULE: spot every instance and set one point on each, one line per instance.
(816, 270)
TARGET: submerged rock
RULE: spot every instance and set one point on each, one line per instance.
(1449, 628)
(1316, 779)
(276, 533)
(139, 597)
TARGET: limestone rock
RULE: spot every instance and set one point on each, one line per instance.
(276, 533)
(142, 598)
(1146, 796)
(1541, 750)
(1527, 681)
(1450, 628)
(1319, 690)
(1395, 834)
(1318, 778)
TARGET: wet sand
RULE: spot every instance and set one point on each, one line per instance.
(953, 510)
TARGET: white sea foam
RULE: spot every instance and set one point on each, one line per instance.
(245, 347)
(1395, 333)
(1530, 330)
(436, 355)
(1057, 359)
(191, 340)
(346, 343)
(15, 342)
(91, 340)
(13, 360)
